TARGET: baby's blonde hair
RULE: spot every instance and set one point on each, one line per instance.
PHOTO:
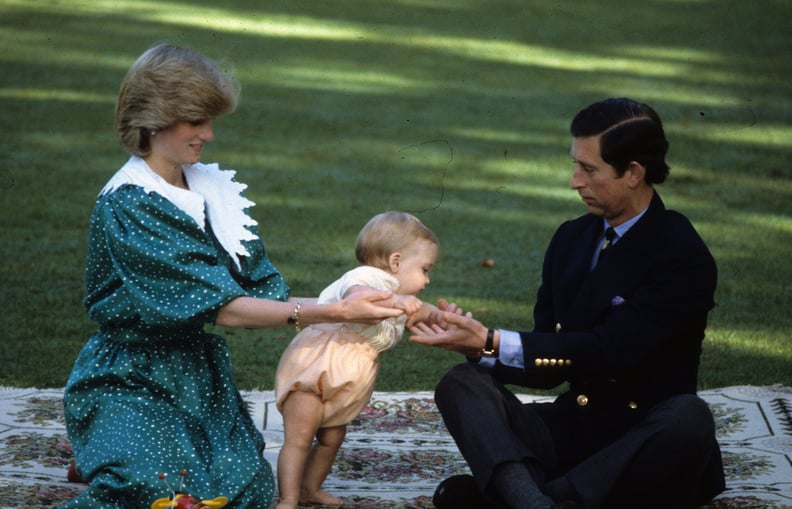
(388, 233)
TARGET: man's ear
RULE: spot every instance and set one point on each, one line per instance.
(635, 174)
(393, 262)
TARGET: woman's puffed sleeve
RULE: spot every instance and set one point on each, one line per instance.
(258, 275)
(150, 262)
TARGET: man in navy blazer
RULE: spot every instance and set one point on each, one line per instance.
(619, 317)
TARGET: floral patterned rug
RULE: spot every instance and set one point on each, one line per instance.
(397, 450)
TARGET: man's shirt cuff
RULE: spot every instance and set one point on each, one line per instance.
(510, 351)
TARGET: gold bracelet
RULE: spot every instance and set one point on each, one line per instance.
(294, 319)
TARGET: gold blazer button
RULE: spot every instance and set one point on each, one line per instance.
(582, 400)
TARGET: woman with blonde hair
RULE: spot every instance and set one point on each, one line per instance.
(172, 248)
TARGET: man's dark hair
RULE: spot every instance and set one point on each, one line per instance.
(628, 131)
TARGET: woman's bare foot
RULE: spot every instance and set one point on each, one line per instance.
(286, 503)
(320, 497)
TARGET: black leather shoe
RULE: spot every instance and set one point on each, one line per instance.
(459, 492)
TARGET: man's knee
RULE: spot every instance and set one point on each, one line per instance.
(450, 383)
(463, 380)
(687, 419)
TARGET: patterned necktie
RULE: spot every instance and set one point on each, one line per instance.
(610, 234)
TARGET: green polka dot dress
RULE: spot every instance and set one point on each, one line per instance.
(151, 392)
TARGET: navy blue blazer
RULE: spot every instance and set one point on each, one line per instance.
(624, 336)
(628, 333)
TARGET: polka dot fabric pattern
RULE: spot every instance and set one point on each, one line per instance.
(151, 392)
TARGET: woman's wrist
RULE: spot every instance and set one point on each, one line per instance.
(337, 312)
(305, 315)
(294, 319)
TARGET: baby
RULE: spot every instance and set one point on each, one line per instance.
(326, 375)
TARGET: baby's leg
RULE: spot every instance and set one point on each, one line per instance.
(302, 415)
(318, 465)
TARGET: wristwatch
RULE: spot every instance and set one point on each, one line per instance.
(489, 347)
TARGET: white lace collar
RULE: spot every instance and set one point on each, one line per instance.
(212, 191)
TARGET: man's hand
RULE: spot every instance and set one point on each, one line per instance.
(461, 333)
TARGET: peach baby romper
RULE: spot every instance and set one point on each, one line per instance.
(340, 361)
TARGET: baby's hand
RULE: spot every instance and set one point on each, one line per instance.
(409, 303)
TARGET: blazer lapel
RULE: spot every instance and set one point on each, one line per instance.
(574, 283)
(609, 280)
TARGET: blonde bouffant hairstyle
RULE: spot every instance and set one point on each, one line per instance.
(167, 85)
(388, 233)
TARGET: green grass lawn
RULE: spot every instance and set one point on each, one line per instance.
(455, 110)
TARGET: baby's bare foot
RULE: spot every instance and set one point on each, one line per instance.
(286, 503)
(320, 497)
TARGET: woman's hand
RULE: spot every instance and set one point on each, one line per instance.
(461, 333)
(366, 305)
